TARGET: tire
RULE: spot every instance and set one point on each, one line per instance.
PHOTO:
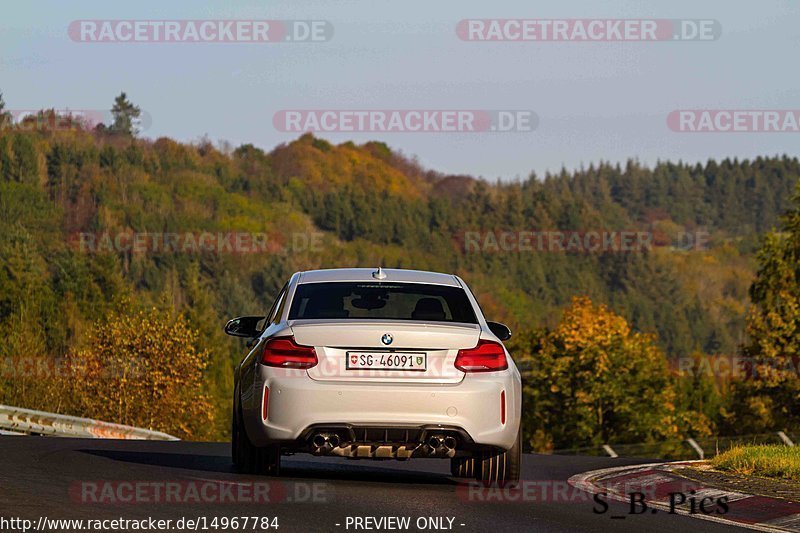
(269, 460)
(248, 458)
(501, 469)
(235, 454)
(463, 467)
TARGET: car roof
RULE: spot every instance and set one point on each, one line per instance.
(366, 274)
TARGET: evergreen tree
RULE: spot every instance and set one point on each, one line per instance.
(125, 116)
(5, 116)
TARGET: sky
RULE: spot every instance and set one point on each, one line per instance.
(595, 101)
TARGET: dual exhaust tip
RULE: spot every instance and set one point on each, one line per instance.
(438, 441)
(325, 440)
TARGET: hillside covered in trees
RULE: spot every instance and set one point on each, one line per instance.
(323, 205)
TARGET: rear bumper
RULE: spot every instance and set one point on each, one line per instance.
(297, 404)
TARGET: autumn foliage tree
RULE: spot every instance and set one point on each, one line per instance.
(143, 369)
(593, 380)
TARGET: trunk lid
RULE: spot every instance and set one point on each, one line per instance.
(336, 341)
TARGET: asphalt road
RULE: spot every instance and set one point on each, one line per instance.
(104, 479)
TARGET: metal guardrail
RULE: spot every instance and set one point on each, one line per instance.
(681, 449)
(16, 420)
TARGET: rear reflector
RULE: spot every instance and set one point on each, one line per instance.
(284, 352)
(503, 407)
(265, 409)
(487, 356)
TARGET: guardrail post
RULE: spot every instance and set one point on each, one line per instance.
(785, 438)
(610, 451)
(697, 448)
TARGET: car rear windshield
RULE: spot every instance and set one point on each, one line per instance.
(386, 301)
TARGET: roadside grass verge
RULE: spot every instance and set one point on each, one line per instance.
(774, 461)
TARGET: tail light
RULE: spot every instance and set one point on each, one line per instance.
(284, 352)
(503, 407)
(487, 356)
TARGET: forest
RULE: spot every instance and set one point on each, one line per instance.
(613, 341)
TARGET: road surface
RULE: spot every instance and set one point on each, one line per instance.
(59, 478)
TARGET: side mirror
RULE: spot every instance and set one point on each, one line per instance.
(500, 331)
(244, 326)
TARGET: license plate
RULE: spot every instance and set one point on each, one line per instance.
(386, 361)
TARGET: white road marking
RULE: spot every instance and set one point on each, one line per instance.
(787, 523)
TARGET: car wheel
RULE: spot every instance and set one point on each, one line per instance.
(502, 468)
(251, 459)
(269, 460)
(463, 467)
(235, 455)
(242, 450)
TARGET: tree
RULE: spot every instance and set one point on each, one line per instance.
(769, 396)
(592, 380)
(142, 369)
(5, 116)
(125, 115)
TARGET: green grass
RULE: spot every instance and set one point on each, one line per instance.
(775, 461)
